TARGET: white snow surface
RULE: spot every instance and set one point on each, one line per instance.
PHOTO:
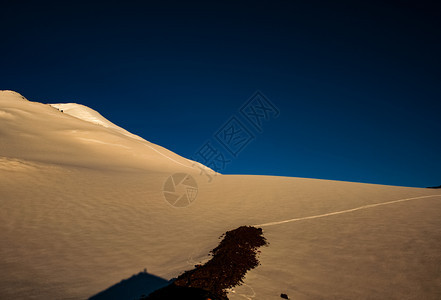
(89, 115)
(82, 208)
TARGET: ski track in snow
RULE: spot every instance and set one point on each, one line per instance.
(246, 296)
(343, 211)
(167, 156)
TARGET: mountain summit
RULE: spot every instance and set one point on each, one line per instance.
(74, 134)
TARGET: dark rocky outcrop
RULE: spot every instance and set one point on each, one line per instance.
(235, 255)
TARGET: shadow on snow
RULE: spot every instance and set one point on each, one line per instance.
(141, 284)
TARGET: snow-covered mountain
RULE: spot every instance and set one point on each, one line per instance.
(73, 134)
(84, 206)
(87, 114)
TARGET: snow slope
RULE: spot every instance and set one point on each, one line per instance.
(79, 136)
(82, 208)
(87, 114)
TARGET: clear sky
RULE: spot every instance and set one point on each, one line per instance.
(356, 83)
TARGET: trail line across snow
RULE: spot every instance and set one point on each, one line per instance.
(166, 156)
(343, 211)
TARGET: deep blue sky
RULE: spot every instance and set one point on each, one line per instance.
(357, 84)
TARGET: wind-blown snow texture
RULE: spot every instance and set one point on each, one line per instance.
(82, 209)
